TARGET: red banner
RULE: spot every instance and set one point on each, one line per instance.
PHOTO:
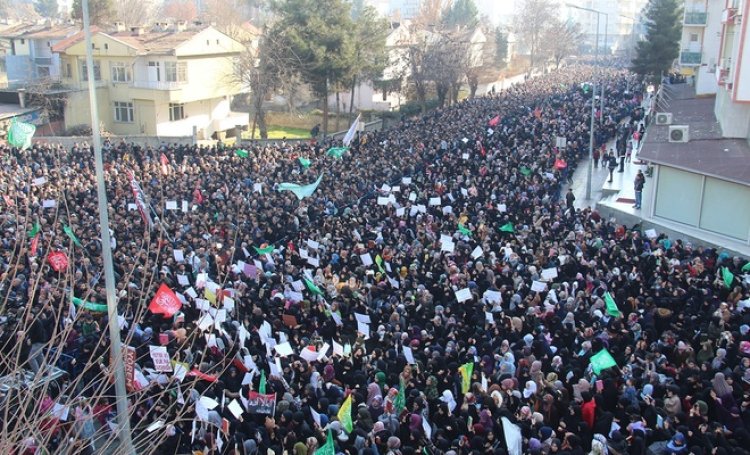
(164, 164)
(129, 368)
(58, 261)
(165, 302)
(560, 164)
(34, 245)
(495, 120)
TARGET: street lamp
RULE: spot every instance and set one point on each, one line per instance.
(590, 173)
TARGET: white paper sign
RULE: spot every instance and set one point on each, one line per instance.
(435, 201)
(284, 349)
(183, 280)
(160, 356)
(538, 286)
(549, 274)
(184, 206)
(364, 329)
(258, 188)
(366, 259)
(49, 203)
(478, 252)
(492, 296)
(39, 181)
(463, 295)
(401, 211)
(447, 247)
(502, 208)
(409, 355)
(235, 408)
(171, 205)
(179, 256)
(362, 318)
(650, 233)
(337, 348)
(406, 180)
(132, 207)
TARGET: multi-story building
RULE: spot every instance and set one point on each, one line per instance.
(701, 39)
(617, 30)
(28, 55)
(404, 9)
(733, 72)
(166, 81)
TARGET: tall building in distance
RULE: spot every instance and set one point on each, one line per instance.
(617, 32)
(404, 9)
(701, 42)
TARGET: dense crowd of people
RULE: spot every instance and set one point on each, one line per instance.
(445, 288)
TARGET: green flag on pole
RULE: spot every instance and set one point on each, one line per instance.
(746, 267)
(463, 230)
(304, 162)
(20, 134)
(327, 448)
(97, 307)
(612, 309)
(400, 402)
(301, 191)
(262, 385)
(242, 153)
(728, 277)
(69, 232)
(34, 230)
(337, 152)
(345, 414)
(507, 227)
(525, 171)
(312, 287)
(266, 250)
(379, 262)
(466, 371)
(602, 360)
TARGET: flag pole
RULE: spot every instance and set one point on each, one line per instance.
(123, 416)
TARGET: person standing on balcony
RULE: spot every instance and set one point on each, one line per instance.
(640, 180)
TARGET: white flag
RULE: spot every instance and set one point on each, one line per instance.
(513, 438)
(352, 129)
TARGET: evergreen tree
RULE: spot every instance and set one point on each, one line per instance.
(661, 47)
(461, 13)
(46, 8)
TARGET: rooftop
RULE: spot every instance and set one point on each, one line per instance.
(707, 152)
(38, 31)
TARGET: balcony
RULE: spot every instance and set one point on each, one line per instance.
(157, 85)
(43, 61)
(688, 58)
(695, 18)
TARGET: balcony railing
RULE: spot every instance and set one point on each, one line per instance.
(157, 85)
(695, 18)
(690, 58)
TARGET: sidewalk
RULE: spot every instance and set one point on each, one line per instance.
(599, 178)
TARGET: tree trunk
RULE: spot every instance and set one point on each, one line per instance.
(325, 109)
(421, 95)
(351, 100)
(473, 85)
(441, 90)
(455, 89)
(260, 115)
(338, 110)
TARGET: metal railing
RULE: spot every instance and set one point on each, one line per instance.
(690, 58)
(157, 85)
(695, 18)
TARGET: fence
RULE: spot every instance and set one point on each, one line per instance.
(142, 140)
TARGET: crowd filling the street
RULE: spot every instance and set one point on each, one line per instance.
(431, 288)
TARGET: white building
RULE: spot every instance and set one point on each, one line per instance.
(616, 29)
(733, 94)
(404, 9)
(701, 42)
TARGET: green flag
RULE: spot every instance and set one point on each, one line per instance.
(466, 371)
(327, 448)
(301, 191)
(20, 134)
(34, 230)
(336, 152)
(507, 227)
(612, 309)
(400, 402)
(746, 267)
(525, 171)
(312, 287)
(379, 262)
(97, 307)
(304, 162)
(345, 414)
(463, 230)
(70, 234)
(266, 250)
(262, 385)
(728, 277)
(242, 153)
(602, 360)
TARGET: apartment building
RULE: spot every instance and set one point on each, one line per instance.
(700, 43)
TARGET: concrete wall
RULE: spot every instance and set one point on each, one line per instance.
(153, 141)
(734, 118)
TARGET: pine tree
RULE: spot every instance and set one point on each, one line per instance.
(100, 11)
(661, 47)
(46, 8)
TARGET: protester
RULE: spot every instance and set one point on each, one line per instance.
(429, 295)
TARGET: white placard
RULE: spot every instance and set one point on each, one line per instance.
(132, 207)
(337, 348)
(284, 349)
(406, 180)
(435, 201)
(235, 408)
(366, 259)
(160, 356)
(183, 280)
(409, 355)
(401, 211)
(538, 286)
(396, 189)
(39, 181)
(191, 292)
(465, 156)
(315, 415)
(463, 295)
(502, 208)
(650, 233)
(447, 210)
(383, 200)
(171, 205)
(323, 351)
(258, 188)
(489, 317)
(412, 197)
(447, 247)
(179, 255)
(308, 354)
(364, 329)
(49, 203)
(478, 252)
(385, 188)
(313, 244)
(209, 403)
(549, 274)
(492, 296)
(362, 318)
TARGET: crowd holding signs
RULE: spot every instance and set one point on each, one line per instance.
(419, 290)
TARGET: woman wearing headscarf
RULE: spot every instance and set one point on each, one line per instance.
(373, 392)
(726, 407)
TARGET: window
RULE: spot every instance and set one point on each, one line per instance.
(123, 112)
(154, 71)
(106, 46)
(693, 37)
(23, 41)
(175, 71)
(120, 72)
(68, 72)
(43, 71)
(97, 71)
(176, 111)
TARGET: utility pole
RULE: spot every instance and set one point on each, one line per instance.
(123, 416)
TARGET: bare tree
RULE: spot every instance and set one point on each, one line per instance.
(530, 22)
(560, 40)
(181, 10)
(135, 12)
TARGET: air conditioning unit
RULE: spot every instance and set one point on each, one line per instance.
(679, 133)
(664, 118)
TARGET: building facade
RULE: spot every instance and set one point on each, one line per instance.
(700, 43)
(733, 72)
(168, 81)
